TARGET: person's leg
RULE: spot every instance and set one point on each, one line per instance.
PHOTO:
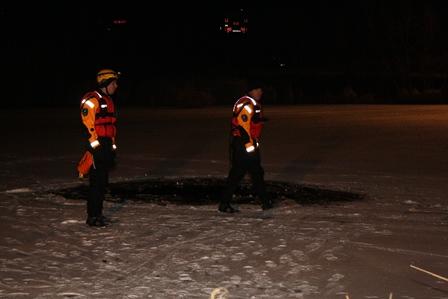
(257, 175)
(102, 191)
(92, 196)
(107, 158)
(235, 176)
(96, 195)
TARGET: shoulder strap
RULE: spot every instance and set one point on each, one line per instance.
(93, 94)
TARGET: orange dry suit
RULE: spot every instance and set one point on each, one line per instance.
(98, 117)
(247, 123)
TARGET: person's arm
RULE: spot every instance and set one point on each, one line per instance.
(259, 116)
(257, 123)
(245, 121)
(88, 112)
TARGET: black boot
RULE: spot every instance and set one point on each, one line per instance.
(100, 222)
(227, 208)
(267, 205)
(104, 219)
(91, 221)
(95, 221)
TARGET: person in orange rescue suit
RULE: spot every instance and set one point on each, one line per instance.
(246, 126)
(99, 117)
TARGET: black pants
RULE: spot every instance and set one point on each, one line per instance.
(241, 165)
(99, 177)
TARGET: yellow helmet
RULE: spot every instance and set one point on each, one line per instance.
(105, 76)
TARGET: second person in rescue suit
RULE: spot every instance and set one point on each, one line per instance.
(98, 116)
(246, 126)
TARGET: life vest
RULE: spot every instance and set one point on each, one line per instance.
(246, 122)
(105, 118)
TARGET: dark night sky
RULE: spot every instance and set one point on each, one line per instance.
(63, 43)
(318, 33)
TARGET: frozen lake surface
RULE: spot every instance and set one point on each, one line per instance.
(162, 246)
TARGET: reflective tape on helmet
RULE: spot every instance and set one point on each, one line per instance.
(248, 109)
(103, 105)
(94, 144)
(250, 149)
(114, 146)
(258, 111)
(90, 104)
(105, 76)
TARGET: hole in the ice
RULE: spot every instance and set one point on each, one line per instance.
(197, 191)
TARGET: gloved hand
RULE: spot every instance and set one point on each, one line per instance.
(93, 146)
(103, 152)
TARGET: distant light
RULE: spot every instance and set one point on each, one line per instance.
(282, 64)
(120, 22)
(236, 22)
